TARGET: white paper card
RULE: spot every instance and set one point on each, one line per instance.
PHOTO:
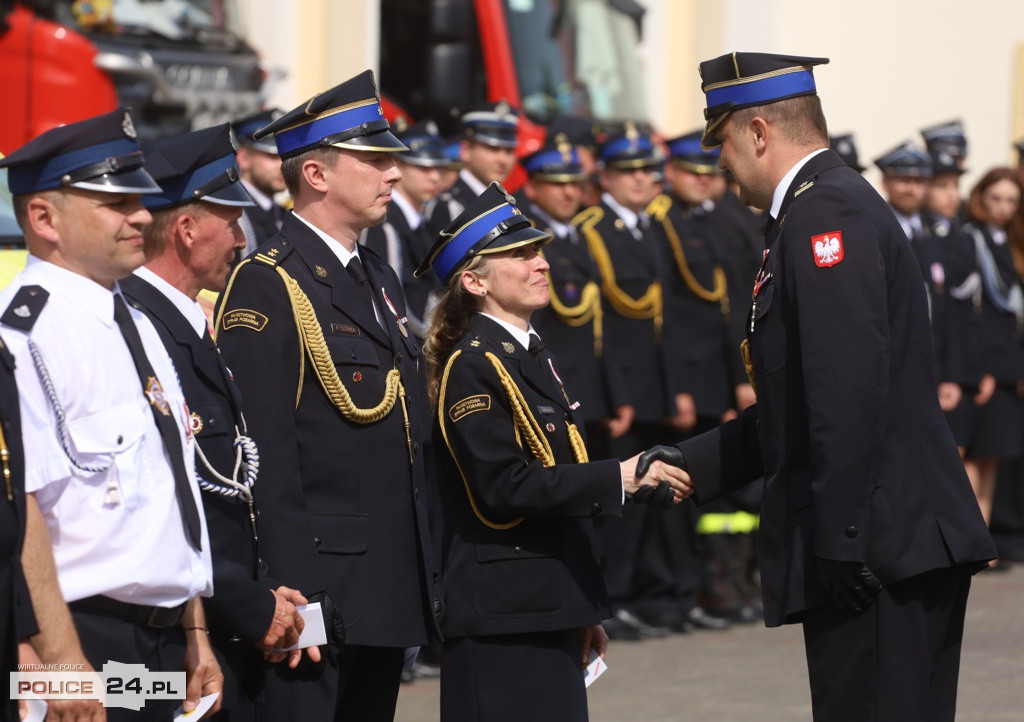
(313, 633)
(180, 715)
(36, 709)
(595, 668)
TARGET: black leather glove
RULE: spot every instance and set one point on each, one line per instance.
(850, 584)
(656, 497)
(334, 624)
(671, 455)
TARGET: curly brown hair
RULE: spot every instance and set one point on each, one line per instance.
(449, 322)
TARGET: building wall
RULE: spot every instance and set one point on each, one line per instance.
(896, 65)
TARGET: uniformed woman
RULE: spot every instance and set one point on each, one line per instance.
(996, 428)
(524, 594)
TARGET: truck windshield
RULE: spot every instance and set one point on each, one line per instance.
(215, 22)
(591, 69)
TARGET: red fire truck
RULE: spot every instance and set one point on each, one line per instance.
(545, 57)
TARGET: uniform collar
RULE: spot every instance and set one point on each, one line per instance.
(472, 181)
(413, 217)
(77, 289)
(787, 181)
(630, 218)
(188, 308)
(339, 250)
(523, 337)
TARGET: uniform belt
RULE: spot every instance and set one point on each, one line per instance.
(156, 617)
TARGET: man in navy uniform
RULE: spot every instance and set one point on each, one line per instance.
(488, 155)
(870, 531)
(108, 461)
(191, 246)
(259, 166)
(315, 327)
(404, 238)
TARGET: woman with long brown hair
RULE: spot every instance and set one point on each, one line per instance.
(524, 595)
(996, 429)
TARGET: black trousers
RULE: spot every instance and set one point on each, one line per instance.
(350, 683)
(898, 661)
(513, 677)
(106, 638)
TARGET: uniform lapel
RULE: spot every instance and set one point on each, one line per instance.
(508, 349)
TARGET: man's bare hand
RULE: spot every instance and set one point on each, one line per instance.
(986, 387)
(686, 413)
(949, 395)
(63, 710)
(593, 637)
(655, 472)
(285, 628)
(623, 419)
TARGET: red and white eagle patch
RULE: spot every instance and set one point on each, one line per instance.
(827, 248)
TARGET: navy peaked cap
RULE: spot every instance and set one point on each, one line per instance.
(556, 162)
(424, 143)
(100, 154)
(491, 223)
(905, 160)
(744, 80)
(494, 124)
(245, 127)
(629, 147)
(346, 116)
(948, 137)
(687, 152)
(846, 149)
(196, 166)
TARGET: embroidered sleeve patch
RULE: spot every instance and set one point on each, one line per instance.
(469, 405)
(244, 317)
(828, 249)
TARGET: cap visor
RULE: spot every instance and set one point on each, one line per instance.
(233, 194)
(131, 181)
(384, 142)
(708, 141)
(524, 236)
(264, 145)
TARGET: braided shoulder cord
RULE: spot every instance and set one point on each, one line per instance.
(648, 306)
(444, 432)
(311, 337)
(247, 454)
(587, 310)
(523, 418)
(58, 410)
(659, 210)
(579, 449)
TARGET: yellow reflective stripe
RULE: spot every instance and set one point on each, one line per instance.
(738, 522)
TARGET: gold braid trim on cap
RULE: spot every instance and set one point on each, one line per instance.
(658, 209)
(648, 306)
(524, 423)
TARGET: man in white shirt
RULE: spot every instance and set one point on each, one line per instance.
(108, 452)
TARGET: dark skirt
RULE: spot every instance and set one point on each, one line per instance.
(513, 677)
(997, 428)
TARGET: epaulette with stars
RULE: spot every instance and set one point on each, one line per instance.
(473, 342)
(24, 309)
(272, 253)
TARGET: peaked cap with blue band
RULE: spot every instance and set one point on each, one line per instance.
(99, 154)
(245, 127)
(579, 130)
(949, 137)
(425, 146)
(744, 80)
(846, 149)
(493, 124)
(556, 162)
(453, 152)
(629, 147)
(196, 166)
(686, 152)
(491, 223)
(905, 159)
(346, 116)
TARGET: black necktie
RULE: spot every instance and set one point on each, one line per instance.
(165, 422)
(355, 269)
(536, 349)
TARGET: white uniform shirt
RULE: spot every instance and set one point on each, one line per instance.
(117, 532)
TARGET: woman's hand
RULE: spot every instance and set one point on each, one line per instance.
(658, 472)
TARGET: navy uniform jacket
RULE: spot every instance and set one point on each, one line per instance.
(343, 508)
(696, 329)
(540, 574)
(242, 606)
(445, 208)
(632, 346)
(16, 618)
(403, 248)
(264, 224)
(858, 460)
(583, 362)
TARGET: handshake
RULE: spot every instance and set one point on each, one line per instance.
(657, 477)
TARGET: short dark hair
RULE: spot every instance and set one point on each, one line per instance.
(20, 204)
(800, 119)
(291, 168)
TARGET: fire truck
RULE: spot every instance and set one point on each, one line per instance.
(545, 57)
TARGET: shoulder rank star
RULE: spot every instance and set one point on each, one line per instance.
(155, 394)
